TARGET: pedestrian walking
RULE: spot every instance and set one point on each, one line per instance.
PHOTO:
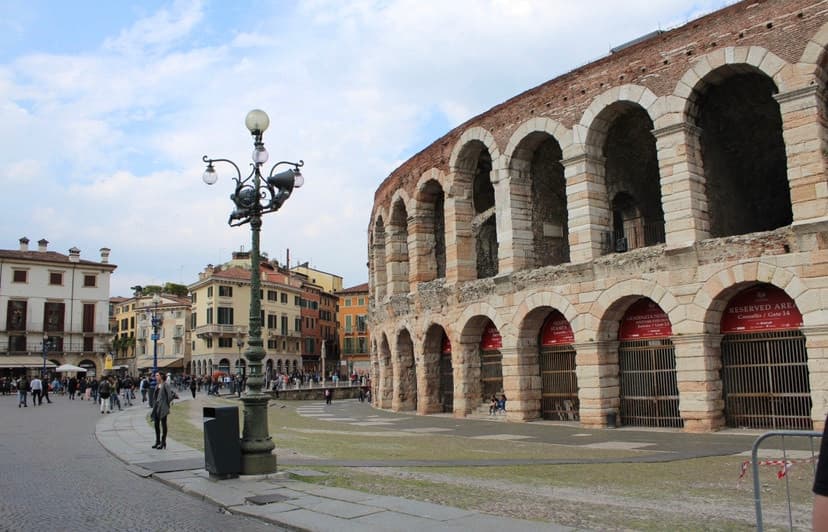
(44, 394)
(162, 400)
(328, 396)
(37, 390)
(115, 395)
(22, 391)
(73, 387)
(127, 388)
(193, 385)
(104, 390)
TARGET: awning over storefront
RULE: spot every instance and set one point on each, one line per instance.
(163, 363)
(24, 362)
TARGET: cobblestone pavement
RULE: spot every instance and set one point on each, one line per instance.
(55, 474)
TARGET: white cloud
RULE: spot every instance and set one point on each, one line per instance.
(103, 147)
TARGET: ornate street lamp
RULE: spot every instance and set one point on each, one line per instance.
(47, 345)
(156, 322)
(254, 196)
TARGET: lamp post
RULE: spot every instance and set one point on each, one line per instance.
(156, 321)
(254, 196)
(46, 346)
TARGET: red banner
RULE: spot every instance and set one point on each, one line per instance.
(491, 338)
(556, 330)
(645, 319)
(761, 308)
(446, 349)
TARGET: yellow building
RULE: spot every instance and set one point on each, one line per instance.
(329, 282)
(221, 312)
(353, 330)
(133, 346)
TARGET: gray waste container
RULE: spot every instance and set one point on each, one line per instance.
(222, 451)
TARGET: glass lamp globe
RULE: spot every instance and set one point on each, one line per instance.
(257, 121)
(210, 176)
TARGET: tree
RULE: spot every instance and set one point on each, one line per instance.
(176, 289)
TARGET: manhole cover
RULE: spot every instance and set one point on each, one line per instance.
(266, 499)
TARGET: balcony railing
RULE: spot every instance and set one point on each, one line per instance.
(635, 236)
(213, 329)
(68, 347)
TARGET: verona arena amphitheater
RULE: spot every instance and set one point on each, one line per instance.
(641, 242)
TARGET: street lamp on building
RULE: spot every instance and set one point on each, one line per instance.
(254, 196)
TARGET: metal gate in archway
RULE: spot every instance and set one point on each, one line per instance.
(559, 385)
(647, 368)
(765, 381)
(649, 390)
(491, 362)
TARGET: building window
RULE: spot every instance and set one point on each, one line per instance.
(349, 326)
(297, 301)
(209, 315)
(20, 276)
(271, 321)
(284, 325)
(209, 291)
(348, 302)
(361, 324)
(194, 295)
(297, 324)
(193, 320)
(90, 281)
(283, 298)
(225, 342)
(225, 291)
(271, 344)
(16, 316)
(272, 295)
(361, 347)
(56, 278)
(361, 301)
(53, 314)
(225, 315)
(17, 343)
(209, 342)
(349, 346)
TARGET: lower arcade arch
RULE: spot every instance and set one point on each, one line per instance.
(437, 390)
(765, 380)
(491, 362)
(556, 361)
(649, 395)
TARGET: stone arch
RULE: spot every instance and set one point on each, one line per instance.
(428, 231)
(396, 244)
(592, 126)
(524, 321)
(405, 372)
(467, 355)
(536, 173)
(735, 120)
(474, 192)
(431, 377)
(705, 312)
(610, 306)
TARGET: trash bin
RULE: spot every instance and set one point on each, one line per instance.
(612, 418)
(222, 450)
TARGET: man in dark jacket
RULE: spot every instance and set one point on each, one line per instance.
(22, 390)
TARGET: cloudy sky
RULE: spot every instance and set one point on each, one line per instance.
(106, 109)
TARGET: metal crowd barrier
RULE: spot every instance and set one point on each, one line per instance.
(803, 441)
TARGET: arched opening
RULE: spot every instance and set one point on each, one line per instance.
(397, 252)
(559, 384)
(405, 374)
(378, 259)
(224, 366)
(484, 224)
(491, 362)
(446, 375)
(745, 164)
(647, 368)
(765, 382)
(433, 231)
(240, 367)
(632, 180)
(386, 380)
(433, 395)
(89, 366)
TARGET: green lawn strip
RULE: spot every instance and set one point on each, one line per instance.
(481, 497)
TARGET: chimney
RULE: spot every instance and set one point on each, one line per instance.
(24, 244)
(105, 255)
(74, 255)
(41, 245)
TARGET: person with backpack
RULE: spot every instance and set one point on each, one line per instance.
(22, 390)
(104, 390)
